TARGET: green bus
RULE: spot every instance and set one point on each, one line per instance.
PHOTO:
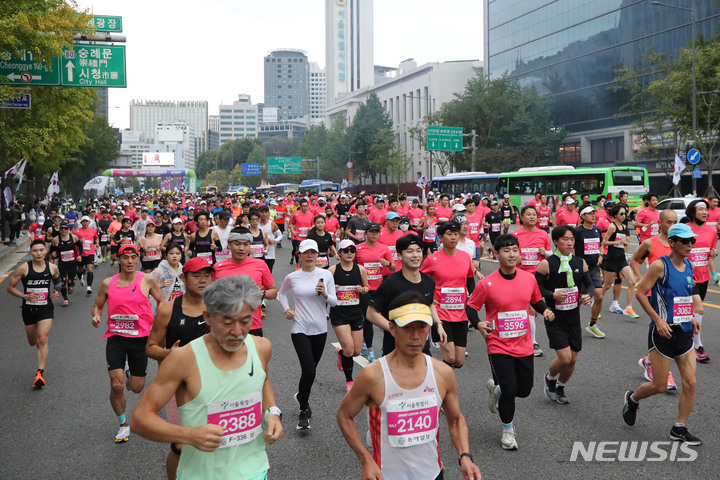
(554, 181)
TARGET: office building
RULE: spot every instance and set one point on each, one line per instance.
(177, 137)
(317, 94)
(571, 50)
(287, 83)
(238, 120)
(348, 46)
(132, 146)
(408, 96)
(145, 115)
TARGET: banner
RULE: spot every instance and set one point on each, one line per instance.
(21, 172)
(15, 168)
(54, 187)
(98, 183)
(679, 167)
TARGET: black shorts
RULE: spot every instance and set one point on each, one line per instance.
(563, 333)
(678, 345)
(701, 289)
(614, 264)
(32, 315)
(257, 332)
(296, 245)
(87, 260)
(595, 277)
(114, 249)
(356, 323)
(150, 265)
(104, 243)
(281, 227)
(457, 332)
(119, 349)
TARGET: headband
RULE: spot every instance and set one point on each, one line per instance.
(240, 237)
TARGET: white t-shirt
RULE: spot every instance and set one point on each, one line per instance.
(468, 247)
(310, 308)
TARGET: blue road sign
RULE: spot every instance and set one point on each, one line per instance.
(693, 156)
(249, 169)
(696, 173)
(19, 102)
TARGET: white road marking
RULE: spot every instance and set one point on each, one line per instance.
(360, 360)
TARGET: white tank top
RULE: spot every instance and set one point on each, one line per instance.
(269, 234)
(404, 428)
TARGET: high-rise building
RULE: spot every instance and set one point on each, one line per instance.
(133, 145)
(103, 107)
(318, 94)
(145, 115)
(238, 120)
(348, 46)
(177, 137)
(286, 83)
(572, 49)
(214, 123)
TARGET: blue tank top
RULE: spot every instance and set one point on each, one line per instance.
(671, 296)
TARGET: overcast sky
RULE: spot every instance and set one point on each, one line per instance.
(213, 49)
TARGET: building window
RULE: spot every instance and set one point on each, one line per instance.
(607, 150)
(570, 153)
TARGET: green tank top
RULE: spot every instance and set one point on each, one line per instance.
(232, 399)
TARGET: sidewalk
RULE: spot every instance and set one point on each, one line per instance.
(5, 250)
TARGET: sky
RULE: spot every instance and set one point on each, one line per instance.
(213, 49)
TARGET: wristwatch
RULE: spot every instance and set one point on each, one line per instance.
(465, 454)
(273, 411)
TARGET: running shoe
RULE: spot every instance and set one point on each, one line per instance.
(682, 434)
(630, 312)
(493, 398)
(560, 393)
(702, 357)
(308, 409)
(647, 368)
(507, 440)
(71, 289)
(671, 385)
(82, 282)
(349, 385)
(594, 331)
(303, 420)
(630, 408)
(339, 361)
(371, 356)
(89, 291)
(291, 261)
(123, 434)
(39, 380)
(551, 389)
(65, 303)
(537, 350)
(364, 350)
(263, 305)
(615, 308)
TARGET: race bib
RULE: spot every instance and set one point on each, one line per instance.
(346, 295)
(512, 324)
(699, 257)
(87, 245)
(360, 234)
(506, 213)
(257, 250)
(591, 246)
(67, 256)
(206, 255)
(443, 219)
(619, 236)
(570, 302)
(415, 221)
(495, 227)
(150, 254)
(530, 256)
(322, 262)
(682, 310)
(374, 270)
(125, 324)
(303, 231)
(654, 229)
(412, 422)
(429, 234)
(343, 218)
(393, 251)
(279, 215)
(241, 419)
(543, 222)
(474, 228)
(104, 238)
(452, 298)
(41, 293)
(223, 255)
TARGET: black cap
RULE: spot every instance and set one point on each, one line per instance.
(224, 215)
(452, 226)
(404, 219)
(373, 226)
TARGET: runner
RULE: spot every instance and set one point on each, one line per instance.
(614, 264)
(89, 242)
(150, 247)
(505, 329)
(567, 215)
(222, 228)
(313, 290)
(508, 213)
(404, 394)
(324, 241)
(272, 233)
(493, 223)
(670, 336)
(451, 269)
(219, 392)
(565, 283)
(204, 241)
(168, 273)
(427, 229)
(357, 225)
(103, 226)
(587, 246)
(648, 219)
(67, 254)
(544, 214)
(129, 320)
(241, 263)
(176, 324)
(176, 236)
(389, 235)
(41, 285)
(298, 227)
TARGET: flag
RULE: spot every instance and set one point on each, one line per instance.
(54, 187)
(21, 172)
(422, 181)
(15, 168)
(679, 167)
(344, 184)
(98, 183)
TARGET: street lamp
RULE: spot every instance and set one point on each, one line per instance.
(693, 68)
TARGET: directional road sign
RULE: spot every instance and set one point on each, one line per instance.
(693, 156)
(249, 169)
(26, 70)
(22, 102)
(94, 66)
(284, 165)
(447, 139)
(106, 23)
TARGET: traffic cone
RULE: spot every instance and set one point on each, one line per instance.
(517, 220)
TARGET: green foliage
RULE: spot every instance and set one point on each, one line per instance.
(231, 153)
(370, 119)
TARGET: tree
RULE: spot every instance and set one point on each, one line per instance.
(369, 120)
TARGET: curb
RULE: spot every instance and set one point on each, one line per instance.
(10, 249)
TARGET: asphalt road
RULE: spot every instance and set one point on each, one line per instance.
(66, 430)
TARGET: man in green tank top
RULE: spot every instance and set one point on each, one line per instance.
(222, 390)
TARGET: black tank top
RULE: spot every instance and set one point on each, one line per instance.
(179, 239)
(557, 280)
(39, 284)
(348, 301)
(66, 246)
(616, 252)
(257, 245)
(202, 246)
(183, 328)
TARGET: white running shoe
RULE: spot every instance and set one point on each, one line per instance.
(508, 440)
(123, 434)
(493, 397)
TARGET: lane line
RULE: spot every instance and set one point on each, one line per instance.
(360, 360)
(5, 275)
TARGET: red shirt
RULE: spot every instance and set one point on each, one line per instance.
(509, 312)
(415, 214)
(564, 217)
(700, 254)
(476, 226)
(404, 210)
(331, 226)
(378, 216)
(443, 214)
(543, 216)
(713, 216)
(36, 231)
(646, 216)
(280, 214)
(369, 257)
(530, 244)
(87, 238)
(390, 239)
(302, 223)
(602, 221)
(252, 267)
(450, 274)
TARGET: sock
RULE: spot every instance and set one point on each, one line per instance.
(533, 329)
(632, 400)
(593, 321)
(508, 426)
(679, 425)
(41, 370)
(90, 277)
(697, 342)
(347, 364)
(558, 383)
(121, 419)
(550, 377)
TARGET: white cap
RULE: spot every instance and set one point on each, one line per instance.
(177, 220)
(573, 192)
(306, 245)
(570, 200)
(85, 217)
(345, 244)
(459, 207)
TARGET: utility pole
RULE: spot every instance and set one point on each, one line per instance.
(472, 148)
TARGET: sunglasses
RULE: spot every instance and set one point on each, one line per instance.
(64, 228)
(348, 250)
(685, 241)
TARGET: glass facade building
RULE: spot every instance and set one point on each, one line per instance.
(287, 83)
(571, 49)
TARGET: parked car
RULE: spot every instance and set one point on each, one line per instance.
(678, 204)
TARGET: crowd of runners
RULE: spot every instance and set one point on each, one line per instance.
(195, 273)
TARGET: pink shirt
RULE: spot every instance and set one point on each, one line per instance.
(564, 217)
(530, 244)
(389, 239)
(647, 216)
(476, 226)
(252, 267)
(369, 257)
(302, 222)
(443, 214)
(543, 216)
(450, 274)
(705, 241)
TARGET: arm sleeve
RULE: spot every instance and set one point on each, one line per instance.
(540, 306)
(540, 280)
(588, 283)
(282, 294)
(278, 235)
(471, 313)
(330, 288)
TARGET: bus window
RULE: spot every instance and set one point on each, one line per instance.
(628, 177)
